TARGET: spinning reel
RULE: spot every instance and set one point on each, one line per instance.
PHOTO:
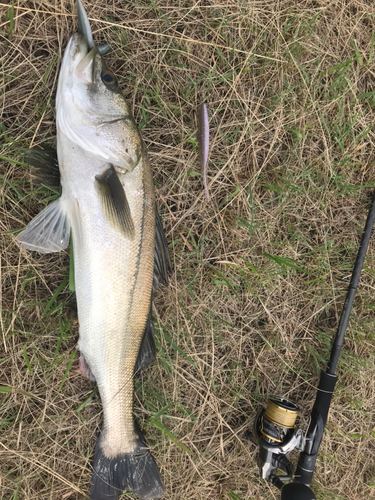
(274, 427)
(276, 437)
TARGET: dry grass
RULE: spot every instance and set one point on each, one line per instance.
(291, 90)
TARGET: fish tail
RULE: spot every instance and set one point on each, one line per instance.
(136, 471)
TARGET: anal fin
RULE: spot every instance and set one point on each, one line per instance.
(85, 369)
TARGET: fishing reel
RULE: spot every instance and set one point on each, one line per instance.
(276, 436)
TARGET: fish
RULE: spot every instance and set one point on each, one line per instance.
(121, 256)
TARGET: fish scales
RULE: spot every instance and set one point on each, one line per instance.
(113, 277)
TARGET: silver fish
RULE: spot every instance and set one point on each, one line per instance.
(108, 203)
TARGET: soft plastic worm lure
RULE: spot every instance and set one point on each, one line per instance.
(204, 143)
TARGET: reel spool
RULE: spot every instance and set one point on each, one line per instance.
(277, 422)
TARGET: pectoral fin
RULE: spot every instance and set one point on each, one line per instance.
(114, 203)
(49, 231)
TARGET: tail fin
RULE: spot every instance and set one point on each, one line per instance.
(136, 471)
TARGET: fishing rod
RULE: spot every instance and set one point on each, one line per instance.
(274, 430)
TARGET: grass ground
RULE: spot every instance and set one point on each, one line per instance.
(259, 273)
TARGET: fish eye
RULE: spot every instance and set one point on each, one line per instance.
(109, 79)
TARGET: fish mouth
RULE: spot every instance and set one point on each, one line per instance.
(77, 50)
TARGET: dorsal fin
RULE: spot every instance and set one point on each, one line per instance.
(44, 165)
(147, 350)
(162, 264)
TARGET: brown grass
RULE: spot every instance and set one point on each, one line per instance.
(292, 125)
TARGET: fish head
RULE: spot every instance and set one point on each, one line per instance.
(90, 109)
